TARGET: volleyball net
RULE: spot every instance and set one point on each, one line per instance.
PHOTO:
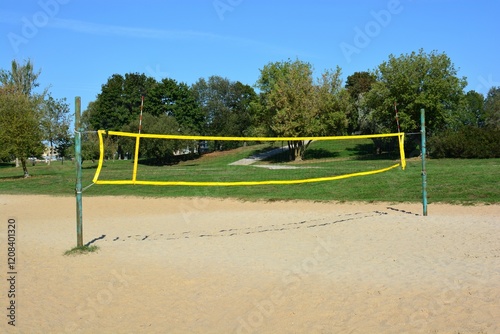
(172, 175)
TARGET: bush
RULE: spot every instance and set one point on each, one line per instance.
(468, 143)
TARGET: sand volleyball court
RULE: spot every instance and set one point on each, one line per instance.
(199, 265)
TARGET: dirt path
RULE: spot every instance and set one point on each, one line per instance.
(259, 157)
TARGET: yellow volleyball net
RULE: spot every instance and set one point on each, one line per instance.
(136, 179)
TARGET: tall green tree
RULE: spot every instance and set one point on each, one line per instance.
(20, 128)
(119, 101)
(333, 103)
(415, 81)
(473, 113)
(289, 102)
(492, 108)
(22, 78)
(213, 96)
(168, 97)
(156, 151)
(295, 106)
(108, 110)
(20, 133)
(226, 106)
(55, 123)
(358, 84)
(241, 100)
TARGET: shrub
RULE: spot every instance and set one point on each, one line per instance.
(468, 143)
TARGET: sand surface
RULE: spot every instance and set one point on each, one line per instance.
(198, 265)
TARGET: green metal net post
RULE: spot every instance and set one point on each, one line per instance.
(78, 163)
(424, 171)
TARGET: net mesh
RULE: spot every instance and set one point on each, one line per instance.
(139, 172)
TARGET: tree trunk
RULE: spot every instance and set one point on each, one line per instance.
(291, 151)
(298, 152)
(51, 149)
(295, 149)
(25, 168)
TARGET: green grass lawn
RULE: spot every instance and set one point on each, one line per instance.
(450, 181)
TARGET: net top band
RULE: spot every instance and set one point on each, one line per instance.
(187, 137)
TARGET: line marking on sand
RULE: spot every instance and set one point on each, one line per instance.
(315, 223)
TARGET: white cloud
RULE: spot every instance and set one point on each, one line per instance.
(92, 28)
(134, 32)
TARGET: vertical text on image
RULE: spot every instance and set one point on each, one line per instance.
(11, 271)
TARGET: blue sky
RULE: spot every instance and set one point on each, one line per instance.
(79, 44)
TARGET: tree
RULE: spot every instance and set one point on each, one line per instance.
(88, 116)
(64, 144)
(20, 114)
(240, 102)
(20, 133)
(289, 102)
(226, 107)
(295, 106)
(55, 123)
(90, 147)
(119, 101)
(415, 81)
(213, 98)
(333, 102)
(21, 78)
(492, 108)
(473, 114)
(157, 151)
(358, 84)
(171, 98)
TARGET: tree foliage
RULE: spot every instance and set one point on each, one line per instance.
(358, 84)
(22, 78)
(226, 106)
(473, 110)
(171, 98)
(20, 132)
(296, 106)
(333, 103)
(156, 151)
(55, 124)
(492, 108)
(119, 101)
(415, 81)
(291, 102)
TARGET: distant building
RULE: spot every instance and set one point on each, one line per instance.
(50, 154)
